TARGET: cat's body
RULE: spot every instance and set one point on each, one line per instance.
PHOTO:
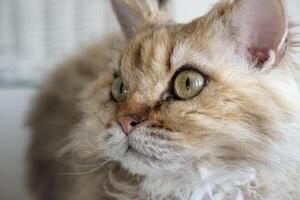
(239, 138)
(59, 99)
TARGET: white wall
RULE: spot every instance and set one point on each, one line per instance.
(15, 102)
(189, 9)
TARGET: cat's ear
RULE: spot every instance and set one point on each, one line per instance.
(133, 14)
(127, 17)
(261, 29)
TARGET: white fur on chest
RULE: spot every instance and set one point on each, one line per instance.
(200, 185)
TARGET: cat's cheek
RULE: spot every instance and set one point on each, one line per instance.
(114, 143)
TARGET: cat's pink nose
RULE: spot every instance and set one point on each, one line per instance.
(128, 123)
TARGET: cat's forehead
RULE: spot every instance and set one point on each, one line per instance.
(148, 48)
(145, 64)
(157, 54)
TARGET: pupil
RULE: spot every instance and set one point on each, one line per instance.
(121, 88)
(188, 83)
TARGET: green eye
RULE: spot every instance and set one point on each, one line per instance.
(188, 84)
(119, 90)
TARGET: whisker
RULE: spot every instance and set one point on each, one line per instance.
(82, 165)
(88, 171)
(97, 113)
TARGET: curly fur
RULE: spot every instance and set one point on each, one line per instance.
(238, 139)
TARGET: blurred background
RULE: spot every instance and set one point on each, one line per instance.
(34, 36)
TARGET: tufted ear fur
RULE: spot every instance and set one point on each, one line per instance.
(134, 14)
(261, 29)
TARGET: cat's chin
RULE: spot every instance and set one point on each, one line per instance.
(135, 157)
(139, 163)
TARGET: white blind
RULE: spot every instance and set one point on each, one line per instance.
(35, 34)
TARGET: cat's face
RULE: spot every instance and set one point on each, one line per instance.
(182, 98)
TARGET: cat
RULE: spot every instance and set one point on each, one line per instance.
(197, 111)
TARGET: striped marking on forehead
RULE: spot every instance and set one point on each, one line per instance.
(150, 51)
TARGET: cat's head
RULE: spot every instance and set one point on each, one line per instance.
(217, 92)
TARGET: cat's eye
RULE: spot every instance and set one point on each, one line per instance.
(188, 84)
(119, 90)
